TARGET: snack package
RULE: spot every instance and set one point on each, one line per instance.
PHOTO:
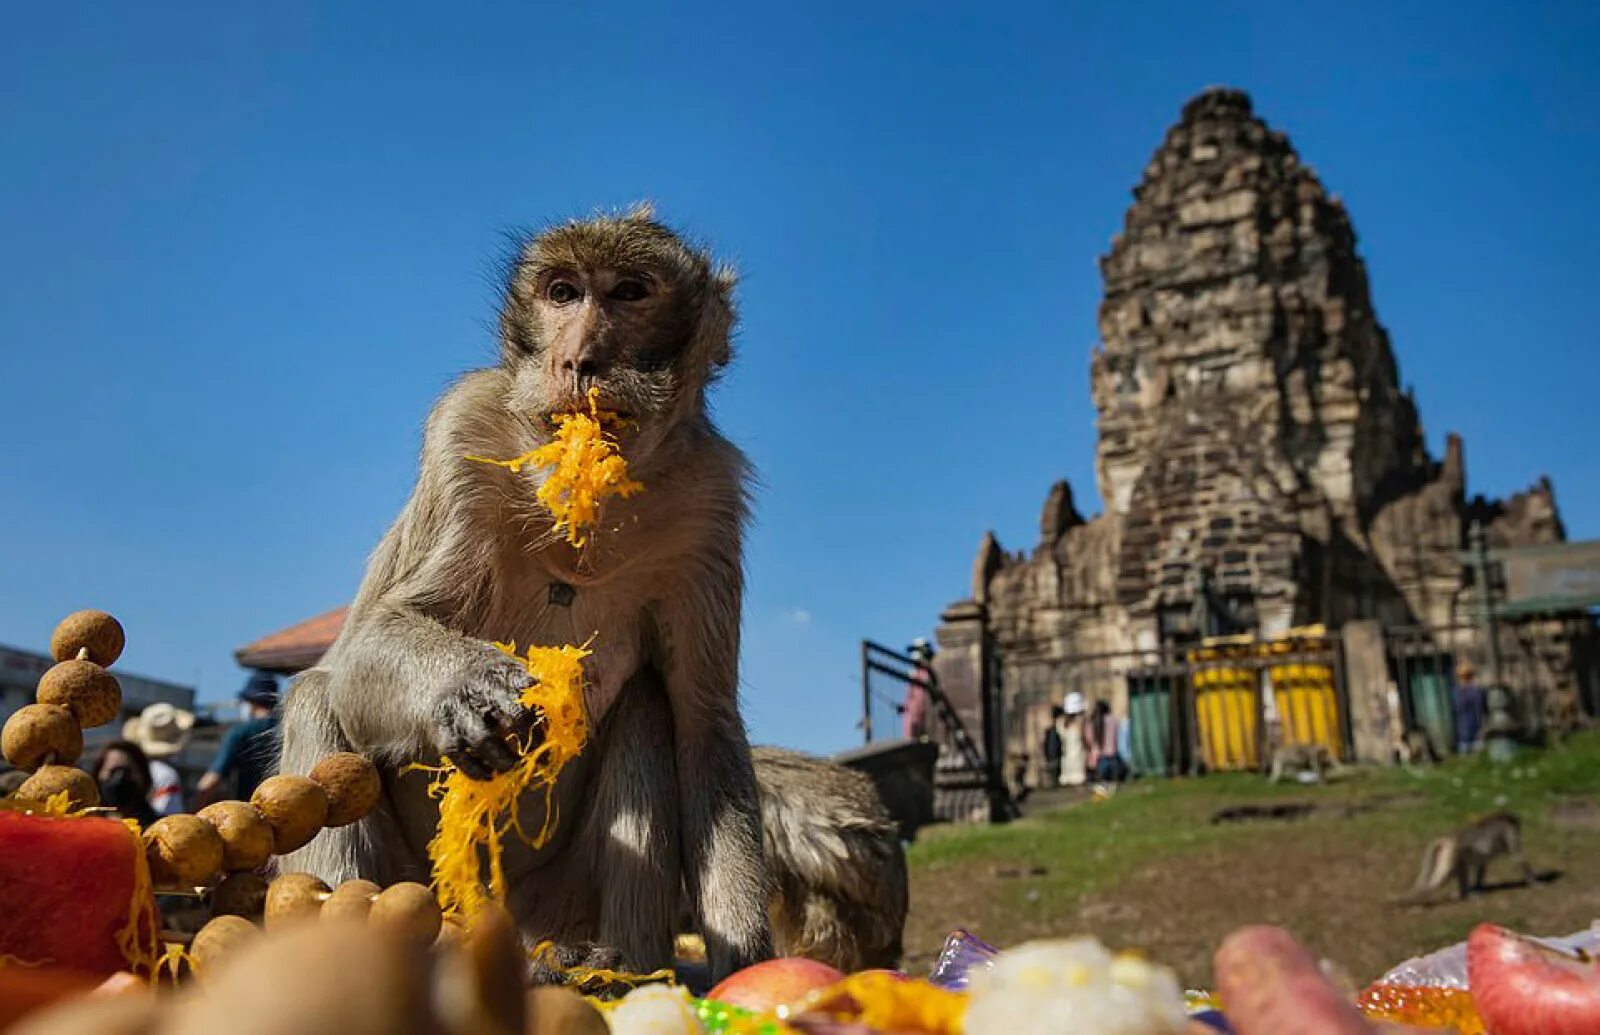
(962, 953)
(1447, 968)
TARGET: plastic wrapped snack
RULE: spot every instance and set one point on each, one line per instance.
(1447, 968)
(962, 954)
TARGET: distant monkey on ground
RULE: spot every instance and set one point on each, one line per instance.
(663, 797)
(840, 887)
(1465, 855)
(1288, 759)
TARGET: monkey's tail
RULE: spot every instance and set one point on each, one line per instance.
(1438, 862)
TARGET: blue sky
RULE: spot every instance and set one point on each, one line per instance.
(243, 251)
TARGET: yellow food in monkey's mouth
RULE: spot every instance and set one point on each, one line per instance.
(475, 815)
(586, 469)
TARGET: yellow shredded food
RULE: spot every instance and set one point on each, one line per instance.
(581, 977)
(586, 469)
(171, 962)
(475, 815)
(58, 806)
(8, 960)
(139, 939)
(884, 1002)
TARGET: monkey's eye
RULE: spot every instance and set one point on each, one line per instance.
(630, 289)
(563, 291)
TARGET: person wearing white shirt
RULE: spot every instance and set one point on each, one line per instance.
(161, 731)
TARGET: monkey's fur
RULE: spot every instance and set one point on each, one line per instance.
(840, 893)
(1303, 758)
(623, 305)
(1465, 855)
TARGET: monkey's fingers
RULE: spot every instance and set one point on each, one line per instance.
(528, 727)
(477, 747)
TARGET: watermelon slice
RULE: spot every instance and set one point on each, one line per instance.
(1524, 988)
(74, 894)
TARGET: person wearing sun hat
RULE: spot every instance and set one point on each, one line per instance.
(248, 752)
(1074, 750)
(161, 731)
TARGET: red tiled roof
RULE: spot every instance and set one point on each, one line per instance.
(298, 647)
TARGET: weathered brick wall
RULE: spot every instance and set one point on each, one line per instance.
(1251, 423)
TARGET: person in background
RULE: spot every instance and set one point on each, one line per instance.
(162, 730)
(250, 749)
(914, 712)
(123, 773)
(10, 780)
(1468, 708)
(1125, 747)
(1100, 742)
(1074, 755)
(1051, 749)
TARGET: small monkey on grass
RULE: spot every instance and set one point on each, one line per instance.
(1465, 856)
(663, 796)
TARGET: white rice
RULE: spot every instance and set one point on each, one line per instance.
(655, 1010)
(1073, 987)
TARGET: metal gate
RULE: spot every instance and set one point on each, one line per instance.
(970, 777)
(1216, 705)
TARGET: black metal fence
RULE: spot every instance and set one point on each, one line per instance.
(1532, 665)
(902, 698)
(1213, 706)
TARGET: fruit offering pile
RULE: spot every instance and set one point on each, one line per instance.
(77, 889)
(82, 948)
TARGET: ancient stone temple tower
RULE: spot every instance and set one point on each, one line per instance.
(1261, 465)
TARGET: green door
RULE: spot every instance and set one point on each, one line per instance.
(1150, 725)
(1432, 703)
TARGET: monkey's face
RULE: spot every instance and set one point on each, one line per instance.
(621, 306)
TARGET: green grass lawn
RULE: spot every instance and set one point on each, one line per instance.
(1148, 868)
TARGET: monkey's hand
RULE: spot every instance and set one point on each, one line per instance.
(480, 723)
(563, 964)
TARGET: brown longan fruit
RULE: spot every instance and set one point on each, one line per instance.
(219, 938)
(553, 1010)
(352, 784)
(82, 791)
(351, 900)
(36, 732)
(92, 631)
(295, 807)
(452, 932)
(183, 851)
(246, 835)
(239, 894)
(83, 688)
(409, 910)
(293, 897)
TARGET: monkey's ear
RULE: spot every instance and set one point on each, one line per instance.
(723, 281)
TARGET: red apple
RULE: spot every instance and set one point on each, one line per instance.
(897, 975)
(1523, 988)
(767, 986)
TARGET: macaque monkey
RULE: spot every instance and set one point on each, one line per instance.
(840, 892)
(1410, 744)
(663, 797)
(1465, 855)
(1303, 758)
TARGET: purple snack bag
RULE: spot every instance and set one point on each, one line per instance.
(961, 953)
